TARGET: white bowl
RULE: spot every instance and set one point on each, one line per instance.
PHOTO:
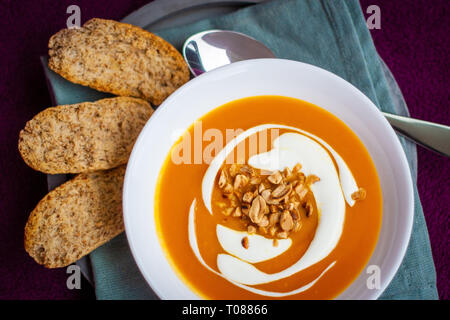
(266, 77)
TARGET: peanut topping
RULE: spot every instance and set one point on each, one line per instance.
(282, 235)
(244, 242)
(275, 242)
(297, 168)
(312, 179)
(286, 221)
(253, 212)
(301, 190)
(281, 191)
(240, 182)
(274, 218)
(251, 230)
(273, 230)
(287, 172)
(255, 180)
(273, 208)
(237, 212)
(262, 230)
(261, 188)
(248, 197)
(222, 179)
(228, 189)
(234, 170)
(309, 209)
(248, 170)
(264, 222)
(227, 211)
(256, 211)
(359, 195)
(297, 225)
(266, 194)
(269, 203)
(275, 178)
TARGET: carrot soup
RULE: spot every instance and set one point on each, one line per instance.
(268, 197)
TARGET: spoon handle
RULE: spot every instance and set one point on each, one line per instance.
(430, 135)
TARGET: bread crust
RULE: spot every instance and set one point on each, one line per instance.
(119, 58)
(83, 137)
(75, 218)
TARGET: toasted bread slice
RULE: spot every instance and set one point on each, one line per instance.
(75, 218)
(83, 137)
(118, 58)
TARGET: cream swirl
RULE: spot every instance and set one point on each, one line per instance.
(331, 193)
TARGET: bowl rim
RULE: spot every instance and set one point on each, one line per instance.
(409, 193)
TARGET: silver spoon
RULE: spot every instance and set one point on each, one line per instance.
(211, 49)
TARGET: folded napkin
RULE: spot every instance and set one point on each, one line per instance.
(329, 34)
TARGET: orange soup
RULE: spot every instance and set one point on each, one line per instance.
(268, 197)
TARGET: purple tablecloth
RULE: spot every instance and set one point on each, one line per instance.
(413, 41)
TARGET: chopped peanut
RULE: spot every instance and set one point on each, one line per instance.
(244, 242)
(359, 195)
(275, 178)
(251, 230)
(248, 197)
(237, 212)
(286, 221)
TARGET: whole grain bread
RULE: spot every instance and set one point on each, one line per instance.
(83, 137)
(118, 58)
(75, 218)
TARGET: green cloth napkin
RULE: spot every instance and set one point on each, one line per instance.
(329, 34)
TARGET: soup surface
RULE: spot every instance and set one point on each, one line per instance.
(309, 245)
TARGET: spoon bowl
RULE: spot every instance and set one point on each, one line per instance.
(211, 49)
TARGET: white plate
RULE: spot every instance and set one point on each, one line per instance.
(266, 77)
